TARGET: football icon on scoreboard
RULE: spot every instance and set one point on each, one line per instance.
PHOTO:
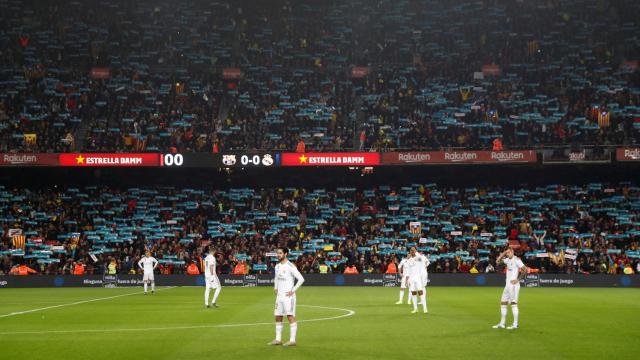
(229, 160)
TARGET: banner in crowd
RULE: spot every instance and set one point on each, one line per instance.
(628, 154)
(359, 72)
(231, 73)
(100, 73)
(330, 159)
(455, 157)
(110, 160)
(491, 70)
(20, 159)
(385, 280)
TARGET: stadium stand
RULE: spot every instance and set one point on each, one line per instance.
(558, 228)
(199, 76)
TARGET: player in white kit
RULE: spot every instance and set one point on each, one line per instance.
(403, 281)
(416, 268)
(211, 280)
(516, 270)
(287, 280)
(148, 263)
(425, 280)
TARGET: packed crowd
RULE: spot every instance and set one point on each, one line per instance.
(148, 75)
(557, 228)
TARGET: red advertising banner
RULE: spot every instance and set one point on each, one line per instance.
(331, 159)
(629, 66)
(454, 157)
(628, 154)
(359, 71)
(231, 73)
(19, 159)
(103, 160)
(491, 70)
(100, 73)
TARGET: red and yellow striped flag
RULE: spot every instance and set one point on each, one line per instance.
(532, 47)
(604, 119)
(19, 241)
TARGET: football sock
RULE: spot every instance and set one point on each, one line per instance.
(423, 300)
(215, 295)
(294, 330)
(278, 331)
(516, 312)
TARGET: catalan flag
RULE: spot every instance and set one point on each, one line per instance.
(604, 119)
(19, 241)
(74, 239)
(415, 227)
(594, 112)
(532, 47)
(141, 143)
(30, 139)
(464, 93)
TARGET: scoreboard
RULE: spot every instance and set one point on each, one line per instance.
(227, 160)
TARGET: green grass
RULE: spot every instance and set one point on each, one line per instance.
(554, 324)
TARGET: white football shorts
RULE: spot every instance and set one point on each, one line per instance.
(510, 293)
(285, 306)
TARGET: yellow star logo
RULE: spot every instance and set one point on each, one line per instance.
(303, 159)
(80, 159)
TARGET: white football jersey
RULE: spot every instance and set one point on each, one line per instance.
(402, 267)
(513, 268)
(148, 263)
(425, 263)
(286, 275)
(414, 267)
(208, 261)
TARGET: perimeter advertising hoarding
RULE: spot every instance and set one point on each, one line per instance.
(23, 159)
(628, 154)
(458, 157)
(110, 159)
(386, 280)
(330, 159)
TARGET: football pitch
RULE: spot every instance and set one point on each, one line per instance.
(334, 323)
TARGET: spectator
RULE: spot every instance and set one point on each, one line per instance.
(351, 270)
(497, 144)
(79, 268)
(192, 269)
(300, 148)
(241, 268)
(22, 270)
(112, 267)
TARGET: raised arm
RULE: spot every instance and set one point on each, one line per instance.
(500, 257)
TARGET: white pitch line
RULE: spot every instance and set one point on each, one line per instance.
(75, 303)
(348, 313)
